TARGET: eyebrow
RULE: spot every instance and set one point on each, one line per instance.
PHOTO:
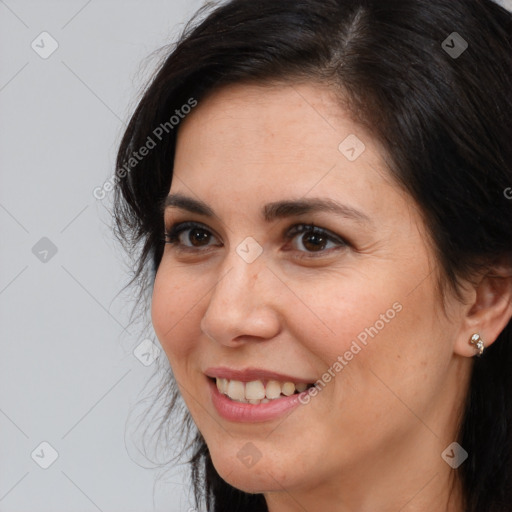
(275, 210)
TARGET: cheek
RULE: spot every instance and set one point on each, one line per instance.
(366, 329)
(396, 352)
(174, 312)
(345, 315)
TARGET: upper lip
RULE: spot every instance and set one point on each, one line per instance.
(251, 374)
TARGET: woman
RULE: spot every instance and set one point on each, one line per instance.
(321, 213)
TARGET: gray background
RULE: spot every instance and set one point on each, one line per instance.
(69, 375)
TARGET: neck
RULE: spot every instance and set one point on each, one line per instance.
(405, 486)
(409, 475)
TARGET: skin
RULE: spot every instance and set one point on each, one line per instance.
(372, 438)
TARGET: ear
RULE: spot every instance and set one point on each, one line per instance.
(489, 310)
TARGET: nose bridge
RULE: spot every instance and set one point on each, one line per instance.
(239, 303)
(238, 288)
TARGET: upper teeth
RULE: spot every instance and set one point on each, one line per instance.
(256, 391)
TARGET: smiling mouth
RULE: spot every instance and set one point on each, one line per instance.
(258, 391)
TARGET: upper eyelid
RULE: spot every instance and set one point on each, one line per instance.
(189, 225)
(313, 227)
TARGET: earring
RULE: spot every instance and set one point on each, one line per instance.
(478, 343)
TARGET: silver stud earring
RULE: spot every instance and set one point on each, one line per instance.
(478, 343)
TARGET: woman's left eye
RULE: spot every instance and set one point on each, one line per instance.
(312, 239)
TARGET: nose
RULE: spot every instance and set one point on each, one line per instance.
(241, 307)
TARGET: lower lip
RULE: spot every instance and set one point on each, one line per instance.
(249, 413)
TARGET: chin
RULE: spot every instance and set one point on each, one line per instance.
(249, 480)
(254, 477)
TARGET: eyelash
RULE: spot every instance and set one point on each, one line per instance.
(173, 233)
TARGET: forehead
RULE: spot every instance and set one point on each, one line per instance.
(265, 141)
(271, 120)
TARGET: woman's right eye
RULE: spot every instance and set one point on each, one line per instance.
(189, 236)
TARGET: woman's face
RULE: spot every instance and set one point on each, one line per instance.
(249, 292)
